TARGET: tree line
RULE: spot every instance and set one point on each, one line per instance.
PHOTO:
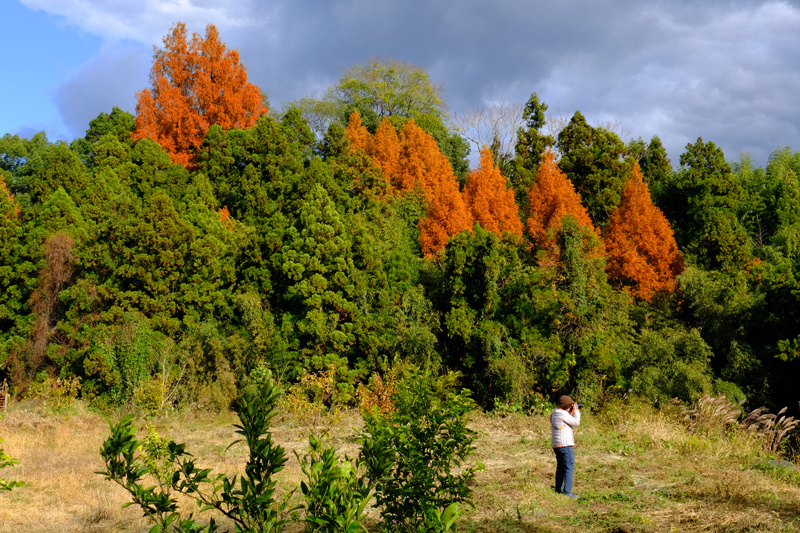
(171, 255)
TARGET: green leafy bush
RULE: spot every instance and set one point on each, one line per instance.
(248, 500)
(56, 394)
(417, 455)
(673, 363)
(336, 496)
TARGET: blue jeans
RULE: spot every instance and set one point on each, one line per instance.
(565, 466)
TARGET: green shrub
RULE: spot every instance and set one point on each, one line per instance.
(160, 391)
(511, 380)
(317, 394)
(156, 456)
(247, 500)
(416, 456)
(415, 459)
(56, 394)
(218, 393)
(122, 357)
(336, 496)
(673, 363)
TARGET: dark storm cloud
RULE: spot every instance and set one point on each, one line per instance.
(724, 70)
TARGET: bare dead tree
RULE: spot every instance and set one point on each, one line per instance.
(556, 122)
(53, 278)
(497, 123)
(614, 126)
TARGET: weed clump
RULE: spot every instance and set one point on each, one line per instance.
(6, 461)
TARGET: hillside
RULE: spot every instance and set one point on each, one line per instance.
(170, 260)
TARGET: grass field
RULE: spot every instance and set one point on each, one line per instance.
(638, 470)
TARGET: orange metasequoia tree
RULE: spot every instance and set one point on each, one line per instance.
(551, 197)
(385, 149)
(421, 163)
(641, 248)
(194, 84)
(411, 160)
(489, 198)
(360, 139)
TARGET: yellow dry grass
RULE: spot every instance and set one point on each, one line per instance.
(638, 470)
(57, 460)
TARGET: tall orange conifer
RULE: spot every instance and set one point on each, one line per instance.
(4, 192)
(641, 248)
(489, 198)
(194, 84)
(422, 163)
(385, 150)
(446, 216)
(416, 161)
(360, 139)
(551, 197)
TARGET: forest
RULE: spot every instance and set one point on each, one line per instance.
(176, 256)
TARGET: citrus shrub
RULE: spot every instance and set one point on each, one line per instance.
(416, 455)
(413, 460)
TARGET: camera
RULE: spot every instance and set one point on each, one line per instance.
(579, 405)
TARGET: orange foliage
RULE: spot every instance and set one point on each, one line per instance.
(423, 164)
(420, 162)
(386, 148)
(4, 190)
(489, 198)
(642, 253)
(446, 216)
(551, 197)
(225, 218)
(416, 161)
(360, 139)
(194, 85)
(377, 395)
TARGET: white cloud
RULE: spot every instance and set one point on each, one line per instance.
(146, 21)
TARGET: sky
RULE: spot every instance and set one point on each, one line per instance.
(727, 71)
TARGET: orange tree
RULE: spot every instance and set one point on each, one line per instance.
(386, 148)
(410, 160)
(422, 163)
(194, 84)
(360, 139)
(489, 198)
(551, 197)
(8, 209)
(641, 248)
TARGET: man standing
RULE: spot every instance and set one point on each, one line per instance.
(565, 417)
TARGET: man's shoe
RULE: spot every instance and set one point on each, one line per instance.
(570, 494)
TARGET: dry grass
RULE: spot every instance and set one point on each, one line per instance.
(638, 470)
(57, 460)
